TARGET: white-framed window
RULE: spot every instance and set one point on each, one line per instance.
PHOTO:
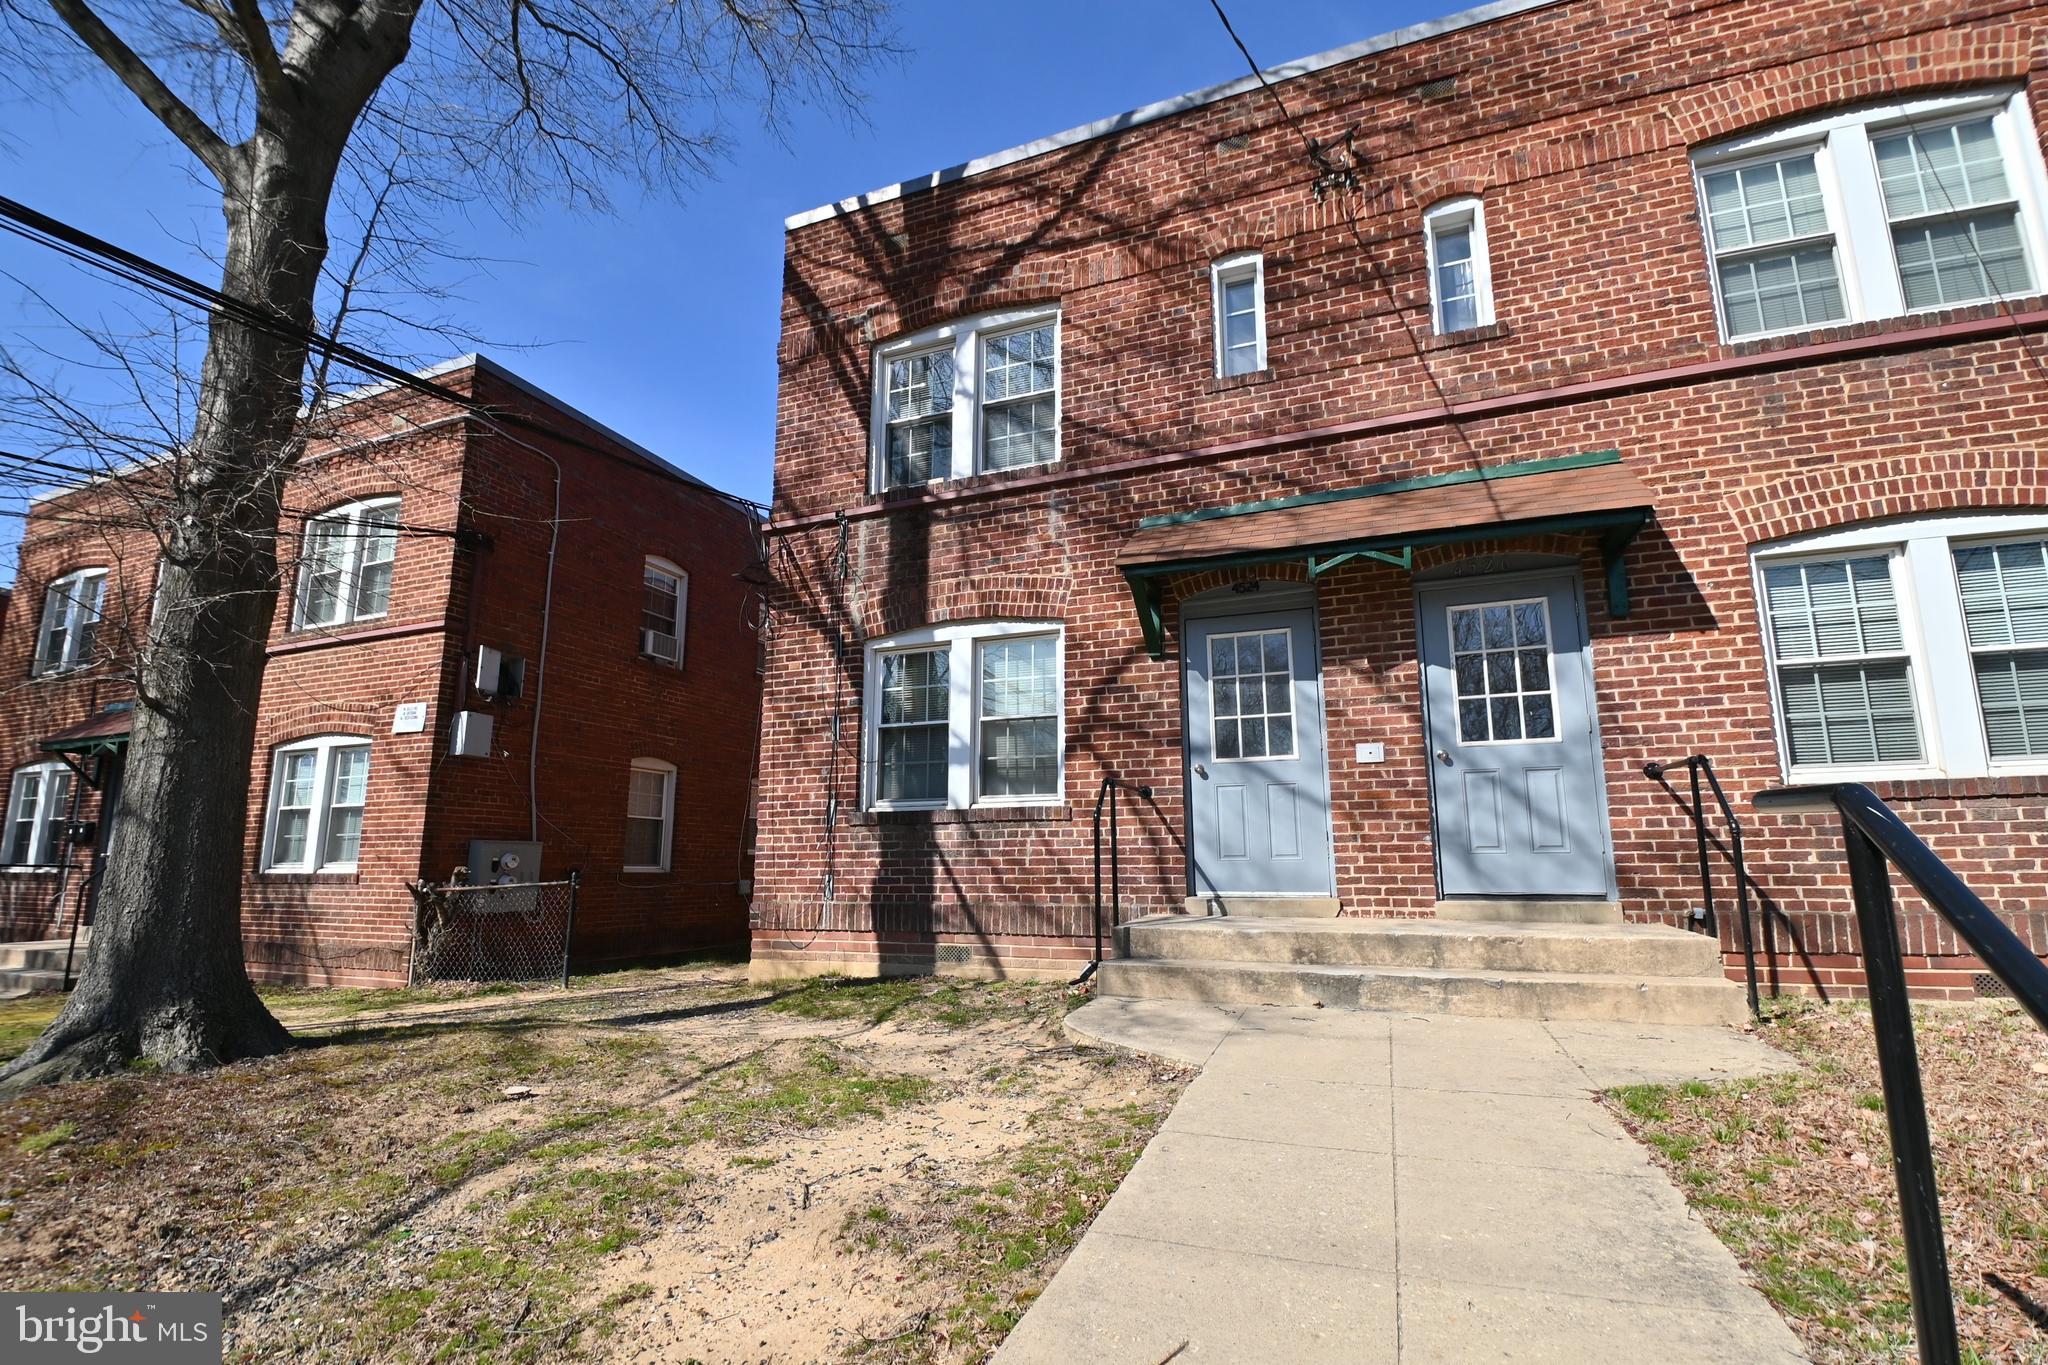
(650, 815)
(1502, 664)
(965, 715)
(345, 562)
(972, 397)
(664, 610)
(72, 606)
(1872, 213)
(1910, 649)
(38, 809)
(1251, 695)
(319, 789)
(1460, 272)
(1237, 299)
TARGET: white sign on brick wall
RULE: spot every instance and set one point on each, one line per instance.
(409, 718)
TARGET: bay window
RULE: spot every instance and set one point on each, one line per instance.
(967, 715)
(975, 396)
(1910, 649)
(1920, 204)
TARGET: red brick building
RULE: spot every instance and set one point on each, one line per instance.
(506, 624)
(1620, 383)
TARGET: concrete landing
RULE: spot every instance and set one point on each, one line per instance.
(1364, 1187)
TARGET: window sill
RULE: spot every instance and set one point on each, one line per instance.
(1935, 786)
(32, 869)
(891, 498)
(1250, 379)
(644, 871)
(1877, 327)
(284, 877)
(1471, 336)
(974, 815)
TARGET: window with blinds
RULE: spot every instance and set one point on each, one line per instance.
(2004, 593)
(1843, 672)
(1925, 203)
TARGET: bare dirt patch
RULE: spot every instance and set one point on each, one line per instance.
(670, 1167)
(1794, 1173)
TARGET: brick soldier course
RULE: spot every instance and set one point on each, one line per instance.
(1583, 129)
(476, 505)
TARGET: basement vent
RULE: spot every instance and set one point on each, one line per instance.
(953, 954)
(1989, 987)
(1440, 89)
(1236, 142)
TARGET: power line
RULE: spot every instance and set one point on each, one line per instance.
(83, 247)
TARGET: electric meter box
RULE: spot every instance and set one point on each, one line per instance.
(503, 862)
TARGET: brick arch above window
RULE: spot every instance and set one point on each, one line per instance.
(947, 601)
(1828, 496)
(1922, 64)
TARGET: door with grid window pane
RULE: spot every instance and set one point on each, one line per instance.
(1516, 794)
(1258, 783)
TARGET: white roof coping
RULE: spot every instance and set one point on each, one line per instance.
(1179, 104)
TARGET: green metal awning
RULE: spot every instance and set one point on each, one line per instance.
(1573, 494)
(104, 733)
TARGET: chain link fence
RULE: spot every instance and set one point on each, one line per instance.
(514, 932)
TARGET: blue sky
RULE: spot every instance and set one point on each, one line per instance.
(661, 319)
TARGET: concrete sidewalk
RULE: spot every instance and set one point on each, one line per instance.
(1356, 1187)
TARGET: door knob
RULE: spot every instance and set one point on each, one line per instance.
(1201, 771)
(1443, 757)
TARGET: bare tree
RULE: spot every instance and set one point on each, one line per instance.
(503, 100)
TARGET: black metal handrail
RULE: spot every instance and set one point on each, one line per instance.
(1106, 794)
(1876, 840)
(1698, 766)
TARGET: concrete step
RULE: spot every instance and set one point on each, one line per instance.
(16, 982)
(1263, 907)
(1531, 911)
(1586, 949)
(1430, 990)
(41, 955)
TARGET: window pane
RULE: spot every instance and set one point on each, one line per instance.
(658, 601)
(913, 763)
(376, 546)
(1019, 757)
(920, 385)
(1017, 678)
(1853, 713)
(643, 842)
(1772, 293)
(914, 686)
(296, 788)
(1833, 608)
(2005, 592)
(326, 551)
(344, 835)
(1017, 364)
(1018, 434)
(348, 790)
(23, 804)
(1940, 170)
(919, 452)
(2013, 691)
(1240, 298)
(1240, 329)
(289, 845)
(1758, 205)
(646, 794)
(1959, 260)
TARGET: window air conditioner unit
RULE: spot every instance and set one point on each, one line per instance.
(656, 644)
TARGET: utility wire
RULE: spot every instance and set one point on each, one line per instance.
(102, 255)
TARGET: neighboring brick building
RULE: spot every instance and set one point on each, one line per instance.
(1131, 427)
(420, 539)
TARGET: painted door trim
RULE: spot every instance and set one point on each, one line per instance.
(1576, 578)
(1210, 606)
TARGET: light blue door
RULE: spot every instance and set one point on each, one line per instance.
(1514, 761)
(1258, 784)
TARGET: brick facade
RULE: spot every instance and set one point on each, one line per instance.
(1575, 122)
(477, 504)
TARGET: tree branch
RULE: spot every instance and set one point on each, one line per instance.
(190, 129)
(243, 29)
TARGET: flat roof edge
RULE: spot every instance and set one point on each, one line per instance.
(1152, 113)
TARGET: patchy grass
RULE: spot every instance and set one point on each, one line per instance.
(990, 1245)
(22, 1021)
(1794, 1173)
(542, 1178)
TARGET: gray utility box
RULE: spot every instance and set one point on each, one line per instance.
(503, 862)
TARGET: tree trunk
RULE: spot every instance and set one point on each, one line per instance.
(165, 982)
